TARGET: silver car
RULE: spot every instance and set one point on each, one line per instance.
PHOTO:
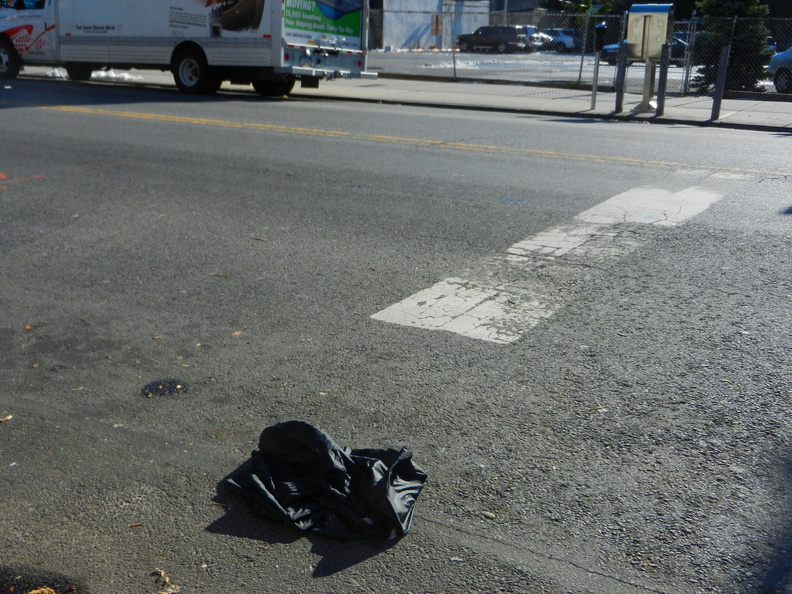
(780, 68)
(562, 40)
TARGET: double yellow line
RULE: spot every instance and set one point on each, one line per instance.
(406, 141)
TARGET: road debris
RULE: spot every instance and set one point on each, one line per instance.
(163, 581)
(300, 475)
(164, 387)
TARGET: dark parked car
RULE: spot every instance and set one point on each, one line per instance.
(502, 39)
(610, 53)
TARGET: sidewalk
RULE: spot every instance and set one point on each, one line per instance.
(749, 114)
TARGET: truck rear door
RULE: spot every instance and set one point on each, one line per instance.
(326, 36)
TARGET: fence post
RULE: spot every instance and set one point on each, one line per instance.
(662, 82)
(690, 38)
(621, 66)
(621, 75)
(583, 49)
(720, 85)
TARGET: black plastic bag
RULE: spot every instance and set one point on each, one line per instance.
(299, 474)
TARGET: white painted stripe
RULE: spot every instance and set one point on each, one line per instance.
(504, 311)
(497, 314)
(641, 205)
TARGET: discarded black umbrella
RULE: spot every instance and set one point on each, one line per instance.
(299, 474)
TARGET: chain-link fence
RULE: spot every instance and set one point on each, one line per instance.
(752, 43)
(556, 51)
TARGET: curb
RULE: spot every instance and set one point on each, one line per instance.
(631, 118)
(550, 84)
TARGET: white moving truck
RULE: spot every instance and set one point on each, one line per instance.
(267, 43)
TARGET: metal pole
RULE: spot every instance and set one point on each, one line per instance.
(595, 81)
(453, 39)
(720, 85)
(621, 75)
(689, 39)
(662, 82)
(583, 49)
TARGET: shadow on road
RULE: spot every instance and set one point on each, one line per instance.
(26, 579)
(242, 521)
(778, 577)
(45, 91)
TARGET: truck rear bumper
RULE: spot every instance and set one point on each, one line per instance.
(322, 73)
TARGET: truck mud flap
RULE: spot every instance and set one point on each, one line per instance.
(309, 82)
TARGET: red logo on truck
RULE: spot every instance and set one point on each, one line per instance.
(23, 39)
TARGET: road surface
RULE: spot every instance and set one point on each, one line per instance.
(580, 329)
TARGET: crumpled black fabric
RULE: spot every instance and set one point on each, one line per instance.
(299, 474)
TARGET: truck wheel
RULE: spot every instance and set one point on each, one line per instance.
(79, 72)
(273, 88)
(501, 49)
(192, 74)
(783, 81)
(10, 64)
(464, 47)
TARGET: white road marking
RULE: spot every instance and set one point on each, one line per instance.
(502, 312)
(497, 313)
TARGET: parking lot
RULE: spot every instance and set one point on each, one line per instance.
(536, 68)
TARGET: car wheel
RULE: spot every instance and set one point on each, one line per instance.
(10, 64)
(464, 47)
(783, 81)
(501, 48)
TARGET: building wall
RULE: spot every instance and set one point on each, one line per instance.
(408, 24)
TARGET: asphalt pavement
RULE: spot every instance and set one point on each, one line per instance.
(663, 393)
